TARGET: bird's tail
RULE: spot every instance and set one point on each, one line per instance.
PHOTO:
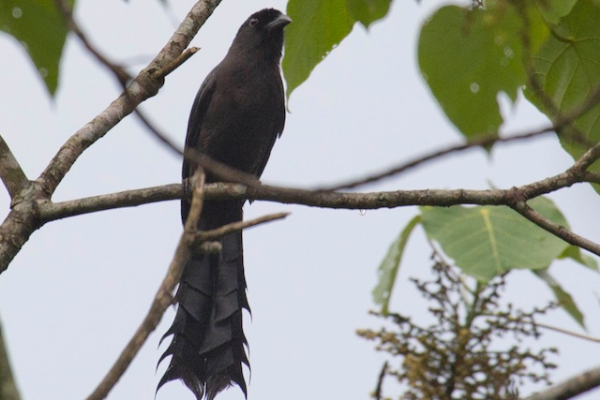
(208, 340)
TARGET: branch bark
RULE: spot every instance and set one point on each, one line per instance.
(162, 299)
(571, 387)
(144, 86)
(11, 173)
(24, 217)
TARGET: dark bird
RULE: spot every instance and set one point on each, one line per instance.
(237, 115)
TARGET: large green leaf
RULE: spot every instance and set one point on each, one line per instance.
(389, 267)
(468, 57)
(41, 30)
(562, 297)
(487, 241)
(567, 68)
(318, 27)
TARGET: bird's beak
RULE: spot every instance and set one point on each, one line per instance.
(279, 22)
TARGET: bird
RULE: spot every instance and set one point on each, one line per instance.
(236, 117)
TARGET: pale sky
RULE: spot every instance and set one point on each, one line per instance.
(75, 294)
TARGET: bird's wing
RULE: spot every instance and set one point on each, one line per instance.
(197, 114)
(275, 130)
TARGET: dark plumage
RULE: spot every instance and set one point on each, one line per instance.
(237, 115)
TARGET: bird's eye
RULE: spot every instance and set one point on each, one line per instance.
(253, 22)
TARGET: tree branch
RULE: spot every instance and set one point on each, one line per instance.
(145, 85)
(568, 332)
(380, 378)
(24, 219)
(562, 121)
(11, 173)
(481, 141)
(162, 300)
(20, 223)
(122, 76)
(571, 387)
(587, 159)
(220, 170)
(129, 198)
(214, 234)
(514, 198)
(554, 228)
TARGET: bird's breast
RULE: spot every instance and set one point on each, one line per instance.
(244, 121)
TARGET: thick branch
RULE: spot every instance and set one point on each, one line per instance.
(20, 223)
(514, 198)
(570, 388)
(128, 198)
(350, 201)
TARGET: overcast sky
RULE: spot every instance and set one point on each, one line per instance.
(80, 287)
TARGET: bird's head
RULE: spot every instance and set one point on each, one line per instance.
(263, 31)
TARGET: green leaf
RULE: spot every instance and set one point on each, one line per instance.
(574, 253)
(468, 57)
(487, 241)
(368, 11)
(563, 297)
(318, 27)
(41, 30)
(554, 10)
(567, 68)
(389, 267)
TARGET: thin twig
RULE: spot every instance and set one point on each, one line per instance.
(67, 12)
(481, 141)
(559, 330)
(141, 88)
(122, 76)
(561, 121)
(162, 300)
(222, 171)
(568, 332)
(379, 387)
(554, 228)
(215, 234)
(11, 173)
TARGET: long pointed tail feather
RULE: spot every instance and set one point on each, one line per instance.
(208, 346)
